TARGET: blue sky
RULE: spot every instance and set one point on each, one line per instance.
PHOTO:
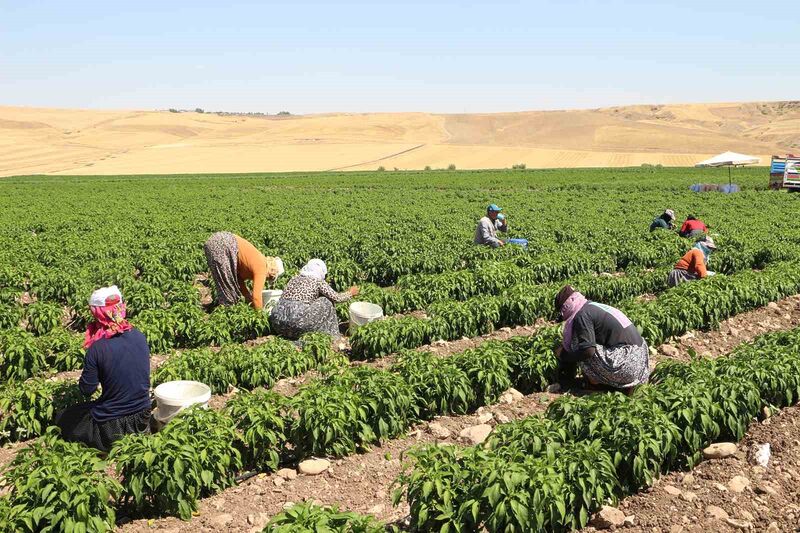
(451, 57)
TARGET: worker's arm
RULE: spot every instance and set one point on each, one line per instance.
(503, 226)
(259, 279)
(335, 297)
(90, 377)
(699, 261)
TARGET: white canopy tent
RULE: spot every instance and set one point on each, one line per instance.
(729, 159)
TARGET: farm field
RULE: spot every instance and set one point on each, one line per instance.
(464, 325)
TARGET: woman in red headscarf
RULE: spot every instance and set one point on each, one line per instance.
(117, 359)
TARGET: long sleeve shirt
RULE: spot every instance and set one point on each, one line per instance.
(486, 232)
(251, 265)
(305, 289)
(660, 223)
(692, 225)
(693, 262)
(598, 324)
(121, 365)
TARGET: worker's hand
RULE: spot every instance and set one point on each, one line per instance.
(353, 290)
(502, 243)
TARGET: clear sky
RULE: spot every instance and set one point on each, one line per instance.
(311, 57)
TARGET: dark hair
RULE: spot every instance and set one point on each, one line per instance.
(691, 217)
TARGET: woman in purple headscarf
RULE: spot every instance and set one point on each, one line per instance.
(602, 341)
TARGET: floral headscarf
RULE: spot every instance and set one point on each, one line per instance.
(108, 311)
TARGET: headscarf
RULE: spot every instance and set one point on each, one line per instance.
(108, 311)
(706, 245)
(274, 267)
(571, 301)
(315, 269)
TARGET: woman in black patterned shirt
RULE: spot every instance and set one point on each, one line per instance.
(306, 304)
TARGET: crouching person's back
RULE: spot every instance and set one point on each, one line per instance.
(117, 360)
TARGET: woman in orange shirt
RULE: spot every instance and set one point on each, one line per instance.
(693, 264)
(232, 261)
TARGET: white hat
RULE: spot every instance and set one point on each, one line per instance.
(670, 213)
(279, 267)
(709, 242)
(105, 296)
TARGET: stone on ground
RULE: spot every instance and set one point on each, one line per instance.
(287, 473)
(672, 491)
(476, 434)
(438, 430)
(738, 484)
(716, 512)
(312, 467)
(719, 450)
(608, 517)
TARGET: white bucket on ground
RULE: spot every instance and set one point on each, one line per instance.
(173, 397)
(363, 313)
(270, 298)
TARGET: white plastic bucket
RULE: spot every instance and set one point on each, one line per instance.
(363, 313)
(270, 298)
(173, 397)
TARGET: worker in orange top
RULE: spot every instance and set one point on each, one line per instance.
(693, 265)
(232, 261)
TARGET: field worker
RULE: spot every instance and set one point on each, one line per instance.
(232, 260)
(117, 359)
(602, 341)
(665, 220)
(693, 227)
(694, 264)
(488, 226)
(306, 304)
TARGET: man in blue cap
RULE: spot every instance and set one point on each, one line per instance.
(486, 232)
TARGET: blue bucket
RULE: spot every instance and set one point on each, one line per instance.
(519, 242)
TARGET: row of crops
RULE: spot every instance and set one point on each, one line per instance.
(468, 302)
(349, 409)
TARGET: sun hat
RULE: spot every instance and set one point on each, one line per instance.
(708, 242)
(493, 207)
(670, 213)
(105, 296)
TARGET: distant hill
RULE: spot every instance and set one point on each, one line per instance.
(60, 141)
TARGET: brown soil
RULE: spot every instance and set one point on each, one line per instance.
(744, 327)
(361, 482)
(773, 494)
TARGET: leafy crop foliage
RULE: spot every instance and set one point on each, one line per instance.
(310, 518)
(52, 255)
(194, 456)
(551, 473)
(26, 410)
(58, 486)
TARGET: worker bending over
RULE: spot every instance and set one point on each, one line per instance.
(665, 220)
(693, 228)
(488, 226)
(694, 264)
(117, 359)
(602, 341)
(232, 261)
(306, 304)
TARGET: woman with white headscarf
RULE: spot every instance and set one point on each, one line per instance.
(306, 304)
